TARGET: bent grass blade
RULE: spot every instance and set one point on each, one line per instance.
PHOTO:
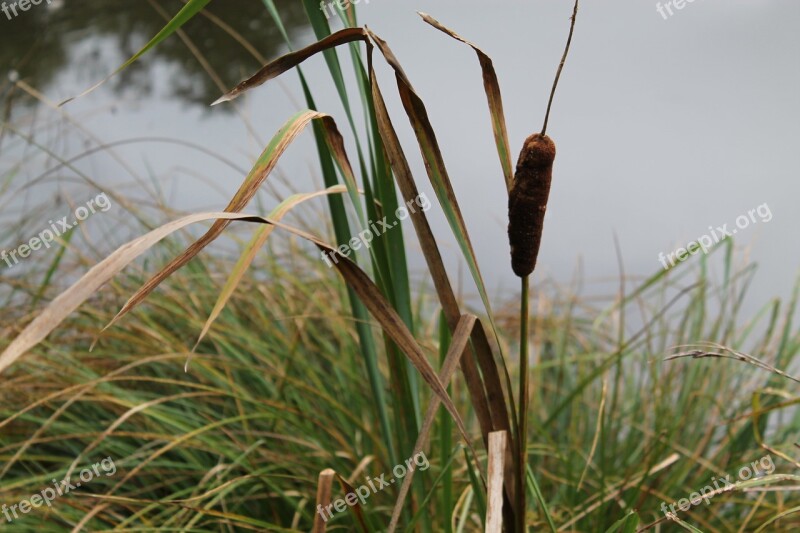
(256, 242)
(259, 173)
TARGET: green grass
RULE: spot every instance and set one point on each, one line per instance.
(277, 392)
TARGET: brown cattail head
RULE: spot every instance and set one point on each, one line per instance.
(527, 201)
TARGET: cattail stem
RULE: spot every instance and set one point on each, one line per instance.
(527, 203)
(560, 66)
(522, 461)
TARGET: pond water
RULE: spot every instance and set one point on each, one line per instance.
(667, 127)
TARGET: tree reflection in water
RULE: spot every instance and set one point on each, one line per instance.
(91, 37)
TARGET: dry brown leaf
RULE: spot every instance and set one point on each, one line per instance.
(491, 86)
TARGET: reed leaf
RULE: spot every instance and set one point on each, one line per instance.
(259, 173)
(491, 86)
(256, 242)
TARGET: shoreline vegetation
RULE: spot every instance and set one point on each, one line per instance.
(246, 388)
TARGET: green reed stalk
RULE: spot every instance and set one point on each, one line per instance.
(523, 403)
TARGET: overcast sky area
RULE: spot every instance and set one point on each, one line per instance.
(664, 127)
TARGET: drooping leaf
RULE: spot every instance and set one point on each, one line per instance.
(256, 243)
(407, 187)
(437, 172)
(492, 88)
(259, 173)
(291, 60)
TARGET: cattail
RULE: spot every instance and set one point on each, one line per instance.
(527, 201)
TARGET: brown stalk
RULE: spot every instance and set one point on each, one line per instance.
(324, 490)
(496, 468)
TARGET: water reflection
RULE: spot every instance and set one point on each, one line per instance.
(92, 36)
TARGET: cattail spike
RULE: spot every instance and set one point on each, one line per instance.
(527, 201)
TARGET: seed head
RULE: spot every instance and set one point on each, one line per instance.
(527, 201)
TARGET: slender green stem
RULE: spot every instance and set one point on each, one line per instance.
(522, 460)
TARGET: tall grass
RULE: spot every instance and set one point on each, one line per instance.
(277, 392)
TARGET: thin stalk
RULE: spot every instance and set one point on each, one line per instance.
(523, 405)
(445, 435)
(560, 66)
